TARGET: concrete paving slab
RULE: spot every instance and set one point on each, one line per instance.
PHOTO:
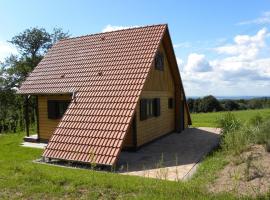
(174, 157)
(34, 145)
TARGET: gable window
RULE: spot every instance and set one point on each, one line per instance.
(170, 103)
(57, 108)
(149, 108)
(159, 61)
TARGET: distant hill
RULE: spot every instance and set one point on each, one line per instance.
(233, 97)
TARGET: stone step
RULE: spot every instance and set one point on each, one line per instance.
(31, 138)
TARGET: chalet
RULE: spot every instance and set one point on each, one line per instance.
(101, 93)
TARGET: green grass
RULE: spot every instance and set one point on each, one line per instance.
(209, 119)
(20, 178)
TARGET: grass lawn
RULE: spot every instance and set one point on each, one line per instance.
(209, 119)
(20, 178)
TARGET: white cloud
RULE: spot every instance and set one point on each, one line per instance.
(240, 68)
(263, 19)
(180, 62)
(110, 27)
(197, 63)
(245, 46)
(6, 49)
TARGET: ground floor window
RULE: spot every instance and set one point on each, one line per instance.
(57, 108)
(149, 108)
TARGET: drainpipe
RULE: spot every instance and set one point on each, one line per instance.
(74, 96)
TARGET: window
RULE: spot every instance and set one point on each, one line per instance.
(57, 108)
(149, 108)
(170, 103)
(159, 61)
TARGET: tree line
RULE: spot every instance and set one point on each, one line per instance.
(212, 104)
(31, 44)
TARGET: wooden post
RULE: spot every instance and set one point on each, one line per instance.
(26, 114)
(37, 117)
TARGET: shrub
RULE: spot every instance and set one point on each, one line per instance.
(236, 141)
(237, 137)
(256, 120)
(228, 123)
(263, 133)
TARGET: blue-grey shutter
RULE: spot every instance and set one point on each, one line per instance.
(143, 109)
(170, 103)
(157, 107)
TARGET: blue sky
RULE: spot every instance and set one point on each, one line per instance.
(222, 47)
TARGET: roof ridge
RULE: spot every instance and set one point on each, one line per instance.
(101, 33)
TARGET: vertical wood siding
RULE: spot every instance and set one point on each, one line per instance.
(159, 84)
(128, 143)
(46, 125)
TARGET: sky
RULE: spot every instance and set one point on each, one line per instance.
(222, 47)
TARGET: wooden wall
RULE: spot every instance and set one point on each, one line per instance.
(46, 125)
(159, 84)
(129, 140)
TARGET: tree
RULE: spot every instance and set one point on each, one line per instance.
(210, 104)
(255, 104)
(57, 35)
(17, 69)
(35, 42)
(32, 44)
(197, 105)
(231, 105)
(190, 103)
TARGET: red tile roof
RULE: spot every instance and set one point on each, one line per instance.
(107, 71)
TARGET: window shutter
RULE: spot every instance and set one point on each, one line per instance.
(170, 103)
(143, 109)
(52, 109)
(157, 107)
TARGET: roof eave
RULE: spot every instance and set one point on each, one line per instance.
(174, 58)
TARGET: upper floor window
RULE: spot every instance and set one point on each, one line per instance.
(159, 61)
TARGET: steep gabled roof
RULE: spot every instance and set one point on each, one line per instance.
(107, 71)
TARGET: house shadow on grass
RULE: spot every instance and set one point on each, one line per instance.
(176, 149)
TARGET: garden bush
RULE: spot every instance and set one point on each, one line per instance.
(236, 136)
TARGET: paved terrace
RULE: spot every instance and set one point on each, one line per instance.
(174, 157)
